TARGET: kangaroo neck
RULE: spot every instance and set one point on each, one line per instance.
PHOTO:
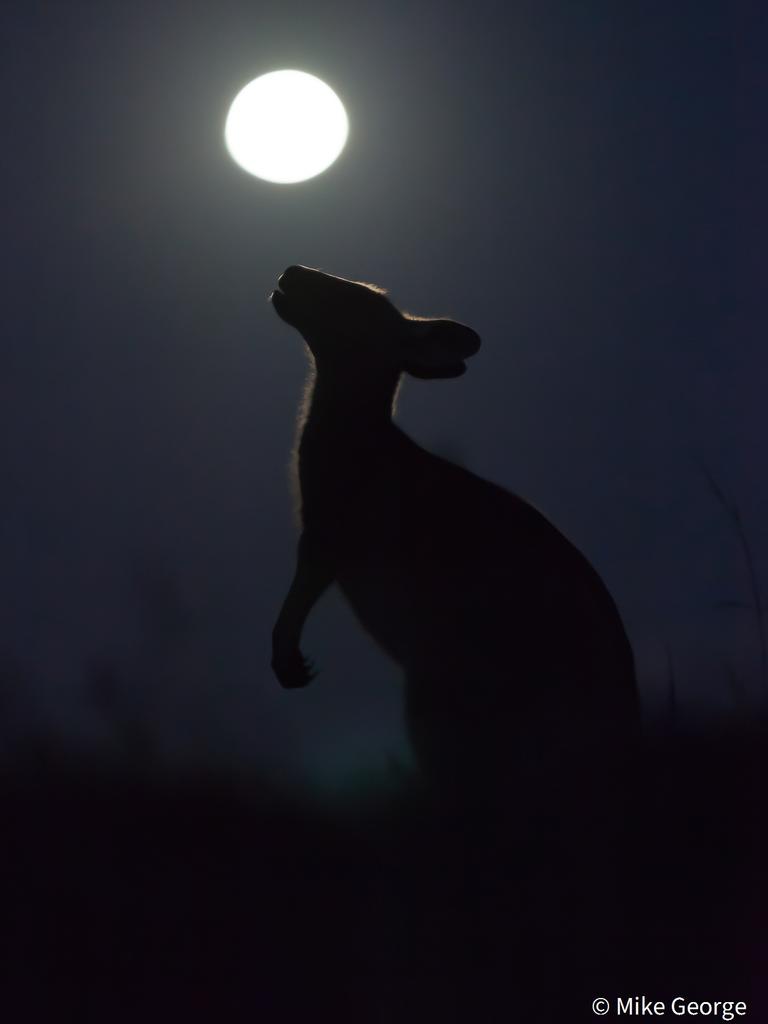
(337, 399)
(345, 427)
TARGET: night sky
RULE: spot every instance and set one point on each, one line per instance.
(583, 184)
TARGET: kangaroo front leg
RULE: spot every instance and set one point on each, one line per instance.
(314, 574)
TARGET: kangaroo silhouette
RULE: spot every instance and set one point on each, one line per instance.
(512, 647)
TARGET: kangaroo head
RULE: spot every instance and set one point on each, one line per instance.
(351, 325)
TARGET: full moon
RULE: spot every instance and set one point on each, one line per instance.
(286, 126)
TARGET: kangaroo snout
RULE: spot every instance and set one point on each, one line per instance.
(303, 294)
(291, 275)
(288, 292)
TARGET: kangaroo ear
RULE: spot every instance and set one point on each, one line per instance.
(438, 348)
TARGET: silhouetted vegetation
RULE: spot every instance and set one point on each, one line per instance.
(755, 604)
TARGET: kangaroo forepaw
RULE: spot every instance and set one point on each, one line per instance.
(292, 669)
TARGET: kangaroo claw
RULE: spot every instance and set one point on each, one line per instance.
(292, 669)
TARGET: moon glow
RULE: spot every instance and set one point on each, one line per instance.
(286, 126)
